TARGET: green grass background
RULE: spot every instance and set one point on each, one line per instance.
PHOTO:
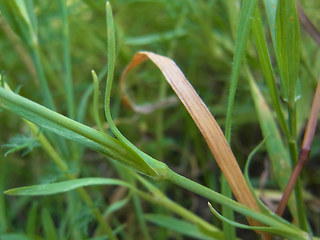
(200, 37)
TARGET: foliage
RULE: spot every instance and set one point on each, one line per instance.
(145, 147)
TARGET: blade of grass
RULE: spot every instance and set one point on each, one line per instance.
(96, 101)
(267, 69)
(32, 220)
(20, 15)
(48, 225)
(288, 59)
(305, 150)
(279, 157)
(69, 92)
(288, 48)
(245, 19)
(246, 14)
(3, 212)
(185, 228)
(107, 110)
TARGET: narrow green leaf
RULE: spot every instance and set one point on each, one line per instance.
(65, 186)
(117, 206)
(144, 158)
(48, 225)
(245, 17)
(21, 17)
(278, 154)
(288, 47)
(185, 228)
(67, 79)
(267, 69)
(271, 9)
(96, 114)
(32, 221)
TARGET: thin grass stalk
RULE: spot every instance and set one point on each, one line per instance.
(141, 219)
(304, 152)
(242, 36)
(213, 196)
(3, 176)
(69, 92)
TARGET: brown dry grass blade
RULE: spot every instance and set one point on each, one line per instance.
(205, 122)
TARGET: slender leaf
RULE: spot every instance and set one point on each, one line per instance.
(278, 154)
(48, 225)
(65, 186)
(185, 228)
(288, 47)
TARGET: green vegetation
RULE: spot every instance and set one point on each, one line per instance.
(96, 145)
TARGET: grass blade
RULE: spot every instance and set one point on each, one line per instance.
(185, 228)
(62, 187)
(246, 14)
(279, 156)
(67, 58)
(48, 225)
(267, 69)
(288, 47)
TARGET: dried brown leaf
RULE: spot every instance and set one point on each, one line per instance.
(205, 122)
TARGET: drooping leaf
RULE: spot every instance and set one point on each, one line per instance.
(204, 120)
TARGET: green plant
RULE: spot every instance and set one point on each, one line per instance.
(127, 159)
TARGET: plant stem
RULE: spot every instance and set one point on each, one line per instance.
(272, 221)
(67, 58)
(304, 154)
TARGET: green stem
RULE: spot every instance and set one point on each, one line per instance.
(67, 58)
(303, 222)
(272, 221)
(184, 213)
(3, 177)
(141, 219)
(96, 212)
(45, 91)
